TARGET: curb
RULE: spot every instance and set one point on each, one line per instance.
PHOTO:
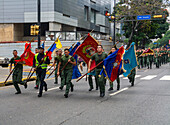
(11, 83)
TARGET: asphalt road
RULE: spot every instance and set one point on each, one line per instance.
(147, 103)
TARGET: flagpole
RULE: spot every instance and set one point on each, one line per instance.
(16, 64)
(73, 54)
(41, 60)
(89, 72)
(53, 65)
(65, 64)
(70, 58)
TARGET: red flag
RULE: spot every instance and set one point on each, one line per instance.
(148, 51)
(87, 49)
(117, 63)
(28, 56)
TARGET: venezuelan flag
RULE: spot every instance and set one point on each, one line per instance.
(53, 47)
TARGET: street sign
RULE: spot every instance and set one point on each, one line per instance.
(144, 17)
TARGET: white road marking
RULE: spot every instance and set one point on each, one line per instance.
(115, 93)
(166, 77)
(149, 77)
(50, 89)
(136, 76)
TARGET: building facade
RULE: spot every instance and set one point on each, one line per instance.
(16, 17)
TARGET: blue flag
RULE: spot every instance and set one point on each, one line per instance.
(76, 72)
(130, 60)
(113, 66)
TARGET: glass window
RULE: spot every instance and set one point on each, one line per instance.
(93, 16)
(86, 14)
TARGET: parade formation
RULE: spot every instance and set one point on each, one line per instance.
(102, 66)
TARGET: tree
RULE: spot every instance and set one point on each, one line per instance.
(165, 39)
(141, 30)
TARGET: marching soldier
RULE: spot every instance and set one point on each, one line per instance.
(98, 57)
(37, 80)
(67, 72)
(157, 58)
(150, 60)
(142, 58)
(131, 77)
(56, 61)
(17, 73)
(41, 60)
(114, 48)
(138, 58)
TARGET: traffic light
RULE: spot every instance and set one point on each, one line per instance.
(32, 30)
(112, 17)
(37, 27)
(35, 30)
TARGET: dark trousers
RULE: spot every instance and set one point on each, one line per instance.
(150, 63)
(91, 81)
(17, 79)
(41, 75)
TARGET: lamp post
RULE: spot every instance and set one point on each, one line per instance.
(114, 28)
(39, 21)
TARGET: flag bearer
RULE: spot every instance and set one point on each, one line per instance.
(56, 61)
(132, 76)
(37, 80)
(68, 71)
(41, 69)
(17, 73)
(98, 57)
(114, 48)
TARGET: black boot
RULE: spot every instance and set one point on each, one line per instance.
(66, 95)
(118, 87)
(102, 94)
(72, 88)
(61, 88)
(110, 89)
(91, 88)
(18, 93)
(40, 95)
(25, 85)
(45, 88)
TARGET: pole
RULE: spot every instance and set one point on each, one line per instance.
(89, 72)
(114, 35)
(39, 21)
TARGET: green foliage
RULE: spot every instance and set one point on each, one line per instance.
(142, 31)
(165, 39)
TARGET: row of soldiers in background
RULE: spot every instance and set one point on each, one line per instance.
(159, 57)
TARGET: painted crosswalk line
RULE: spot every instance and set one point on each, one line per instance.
(166, 77)
(149, 77)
